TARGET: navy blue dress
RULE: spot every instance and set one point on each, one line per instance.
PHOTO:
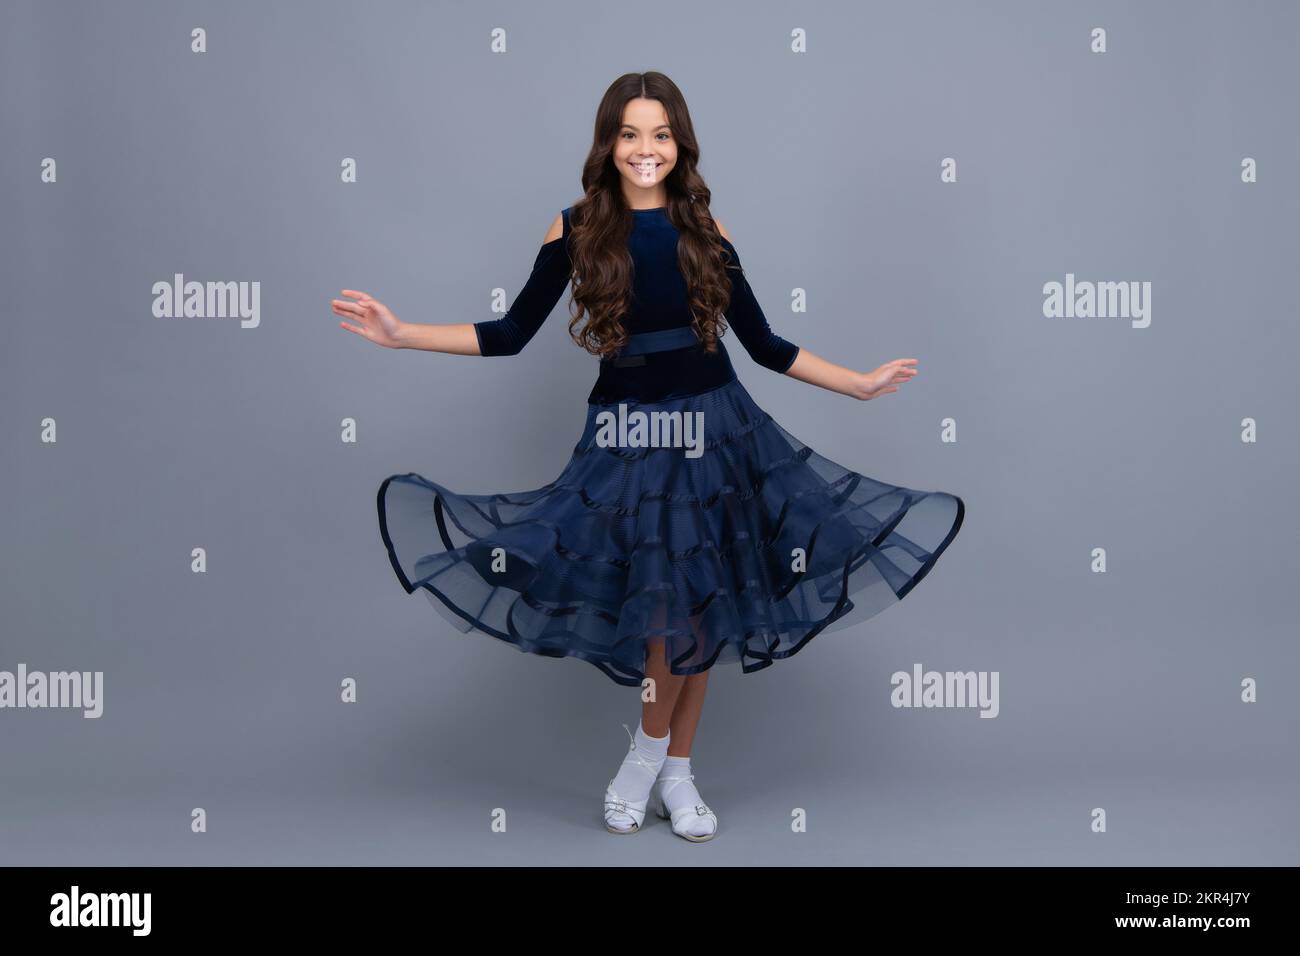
(728, 541)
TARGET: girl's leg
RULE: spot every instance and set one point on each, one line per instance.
(686, 715)
(626, 796)
(657, 715)
(689, 702)
(695, 821)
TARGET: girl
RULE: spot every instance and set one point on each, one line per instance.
(688, 527)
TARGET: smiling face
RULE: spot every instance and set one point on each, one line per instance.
(645, 151)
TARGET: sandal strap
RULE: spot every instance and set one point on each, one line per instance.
(613, 802)
(699, 810)
(637, 755)
(665, 785)
(668, 783)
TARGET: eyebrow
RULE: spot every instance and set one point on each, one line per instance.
(630, 126)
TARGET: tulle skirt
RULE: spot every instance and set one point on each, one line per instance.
(741, 548)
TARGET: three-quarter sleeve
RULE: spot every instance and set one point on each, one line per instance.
(551, 271)
(746, 316)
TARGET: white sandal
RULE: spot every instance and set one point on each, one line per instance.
(664, 785)
(616, 805)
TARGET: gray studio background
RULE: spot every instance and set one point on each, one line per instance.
(1118, 690)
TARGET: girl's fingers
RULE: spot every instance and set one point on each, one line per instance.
(347, 308)
(355, 294)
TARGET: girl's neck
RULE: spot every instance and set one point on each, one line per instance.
(646, 203)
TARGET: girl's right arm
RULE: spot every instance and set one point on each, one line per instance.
(452, 339)
(505, 336)
(376, 322)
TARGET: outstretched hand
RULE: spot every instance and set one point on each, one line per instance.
(884, 379)
(373, 319)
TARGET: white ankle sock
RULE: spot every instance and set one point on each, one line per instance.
(678, 794)
(633, 781)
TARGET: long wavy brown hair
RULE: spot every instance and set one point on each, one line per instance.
(601, 224)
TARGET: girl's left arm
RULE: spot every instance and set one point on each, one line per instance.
(815, 370)
(771, 351)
